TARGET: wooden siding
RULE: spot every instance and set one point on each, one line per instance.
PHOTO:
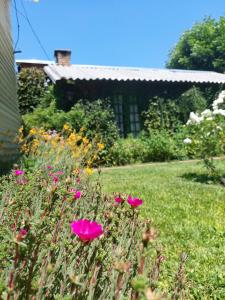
(9, 112)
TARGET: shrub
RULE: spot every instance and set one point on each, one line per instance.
(31, 87)
(95, 118)
(158, 145)
(127, 151)
(52, 147)
(161, 114)
(42, 258)
(163, 146)
(168, 114)
(206, 136)
(191, 100)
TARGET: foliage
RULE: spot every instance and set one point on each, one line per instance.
(127, 151)
(159, 145)
(201, 48)
(95, 118)
(31, 87)
(41, 258)
(206, 136)
(167, 114)
(52, 147)
(161, 114)
(163, 146)
(191, 100)
(189, 211)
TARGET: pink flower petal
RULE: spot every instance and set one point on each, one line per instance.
(86, 230)
(134, 202)
(19, 172)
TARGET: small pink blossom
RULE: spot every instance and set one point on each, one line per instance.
(55, 179)
(118, 199)
(78, 180)
(23, 232)
(19, 172)
(86, 230)
(77, 195)
(49, 167)
(134, 202)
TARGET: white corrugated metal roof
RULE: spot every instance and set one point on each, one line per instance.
(89, 72)
(34, 61)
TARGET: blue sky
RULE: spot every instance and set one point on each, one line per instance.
(110, 32)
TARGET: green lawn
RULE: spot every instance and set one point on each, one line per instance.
(189, 213)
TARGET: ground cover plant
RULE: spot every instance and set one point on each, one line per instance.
(188, 208)
(62, 238)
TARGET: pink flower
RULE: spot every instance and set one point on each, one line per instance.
(134, 202)
(118, 200)
(49, 167)
(86, 230)
(78, 180)
(55, 179)
(77, 195)
(19, 172)
(23, 232)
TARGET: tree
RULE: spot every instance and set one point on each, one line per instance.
(201, 48)
(31, 87)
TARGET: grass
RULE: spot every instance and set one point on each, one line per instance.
(188, 209)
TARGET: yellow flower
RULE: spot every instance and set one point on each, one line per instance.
(66, 127)
(100, 146)
(32, 131)
(89, 171)
(85, 140)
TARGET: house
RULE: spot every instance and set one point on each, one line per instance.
(9, 112)
(128, 89)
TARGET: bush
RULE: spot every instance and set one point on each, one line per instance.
(95, 118)
(127, 151)
(161, 114)
(31, 87)
(41, 257)
(191, 100)
(164, 146)
(168, 114)
(159, 145)
(206, 133)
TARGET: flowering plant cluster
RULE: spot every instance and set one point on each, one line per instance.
(63, 239)
(48, 147)
(206, 137)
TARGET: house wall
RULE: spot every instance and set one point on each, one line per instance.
(133, 95)
(9, 112)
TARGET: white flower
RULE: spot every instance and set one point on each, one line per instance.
(219, 112)
(219, 100)
(194, 118)
(187, 141)
(206, 113)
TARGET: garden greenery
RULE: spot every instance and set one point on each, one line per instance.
(206, 137)
(62, 238)
(95, 118)
(31, 87)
